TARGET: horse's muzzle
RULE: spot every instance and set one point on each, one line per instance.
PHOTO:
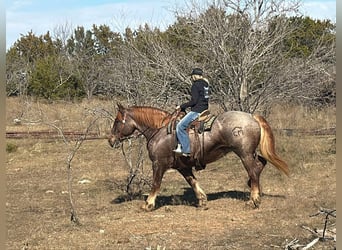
(113, 142)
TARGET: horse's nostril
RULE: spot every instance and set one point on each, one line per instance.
(111, 141)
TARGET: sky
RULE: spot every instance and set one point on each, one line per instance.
(41, 16)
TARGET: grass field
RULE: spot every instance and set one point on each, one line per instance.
(38, 208)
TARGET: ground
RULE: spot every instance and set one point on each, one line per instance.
(38, 207)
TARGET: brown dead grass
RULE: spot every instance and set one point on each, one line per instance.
(38, 210)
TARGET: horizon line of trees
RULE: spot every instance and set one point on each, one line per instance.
(253, 54)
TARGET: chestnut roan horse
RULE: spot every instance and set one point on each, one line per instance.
(232, 131)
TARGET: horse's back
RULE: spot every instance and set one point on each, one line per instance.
(237, 128)
(237, 118)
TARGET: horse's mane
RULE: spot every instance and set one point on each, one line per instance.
(151, 116)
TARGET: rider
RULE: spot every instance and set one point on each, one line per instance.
(198, 103)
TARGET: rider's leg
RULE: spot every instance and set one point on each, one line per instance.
(182, 134)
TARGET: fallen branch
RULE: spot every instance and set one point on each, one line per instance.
(320, 234)
(310, 244)
(327, 212)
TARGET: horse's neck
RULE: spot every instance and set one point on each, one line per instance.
(149, 120)
(147, 131)
(152, 118)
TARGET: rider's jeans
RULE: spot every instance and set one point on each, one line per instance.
(182, 134)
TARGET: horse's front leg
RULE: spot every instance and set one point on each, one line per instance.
(191, 179)
(158, 173)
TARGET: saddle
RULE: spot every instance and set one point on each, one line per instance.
(204, 122)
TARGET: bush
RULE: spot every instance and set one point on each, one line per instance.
(11, 147)
(50, 81)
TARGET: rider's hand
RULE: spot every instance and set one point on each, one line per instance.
(178, 107)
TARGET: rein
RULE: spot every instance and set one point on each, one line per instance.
(173, 116)
(129, 137)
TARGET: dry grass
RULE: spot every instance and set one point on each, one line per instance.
(65, 115)
(38, 211)
(299, 117)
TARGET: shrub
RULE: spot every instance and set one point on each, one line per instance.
(11, 147)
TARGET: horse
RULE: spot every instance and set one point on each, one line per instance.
(231, 131)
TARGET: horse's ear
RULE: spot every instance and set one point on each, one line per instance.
(120, 107)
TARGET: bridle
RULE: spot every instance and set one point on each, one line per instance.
(120, 137)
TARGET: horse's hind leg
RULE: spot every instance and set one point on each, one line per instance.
(191, 179)
(254, 167)
(262, 163)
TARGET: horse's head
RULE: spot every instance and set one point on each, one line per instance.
(123, 127)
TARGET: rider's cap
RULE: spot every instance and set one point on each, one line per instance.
(197, 71)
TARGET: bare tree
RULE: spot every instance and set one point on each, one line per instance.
(62, 33)
(241, 49)
(148, 71)
(134, 152)
(71, 145)
(72, 150)
(242, 45)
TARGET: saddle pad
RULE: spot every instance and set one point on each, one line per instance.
(209, 123)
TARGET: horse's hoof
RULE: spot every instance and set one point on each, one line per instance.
(256, 204)
(202, 204)
(202, 207)
(253, 203)
(147, 207)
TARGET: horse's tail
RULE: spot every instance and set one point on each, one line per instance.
(267, 145)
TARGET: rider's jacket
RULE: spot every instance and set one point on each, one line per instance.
(199, 96)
